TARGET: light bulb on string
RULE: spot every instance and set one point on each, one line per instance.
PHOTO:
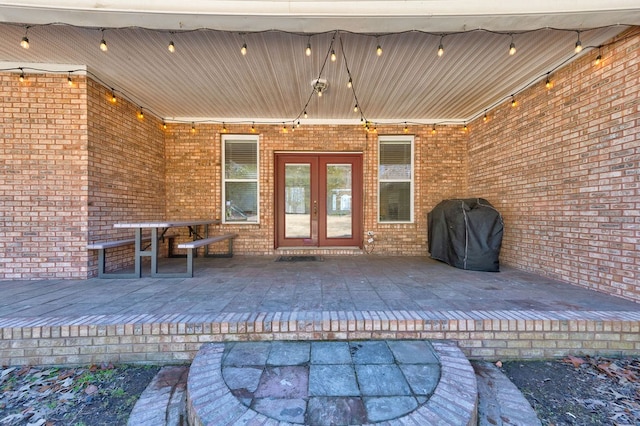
(25, 40)
(284, 128)
(113, 96)
(548, 82)
(333, 55)
(164, 125)
(193, 127)
(485, 118)
(599, 57)
(103, 43)
(305, 114)
(355, 108)
(253, 128)
(433, 130)
(243, 49)
(513, 101)
(307, 51)
(379, 50)
(406, 128)
(22, 78)
(69, 80)
(141, 114)
(512, 47)
(465, 128)
(298, 123)
(441, 47)
(350, 83)
(171, 47)
(224, 128)
(578, 47)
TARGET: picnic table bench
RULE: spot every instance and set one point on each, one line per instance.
(192, 246)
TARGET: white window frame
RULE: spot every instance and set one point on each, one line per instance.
(239, 138)
(399, 139)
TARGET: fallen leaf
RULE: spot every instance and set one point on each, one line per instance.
(91, 389)
(575, 361)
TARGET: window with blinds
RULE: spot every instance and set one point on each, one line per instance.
(395, 179)
(240, 178)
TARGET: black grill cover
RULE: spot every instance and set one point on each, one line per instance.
(466, 233)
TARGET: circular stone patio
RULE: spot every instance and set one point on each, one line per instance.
(335, 382)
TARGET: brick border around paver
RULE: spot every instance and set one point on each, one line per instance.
(210, 402)
(176, 338)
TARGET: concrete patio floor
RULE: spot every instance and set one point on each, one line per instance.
(507, 314)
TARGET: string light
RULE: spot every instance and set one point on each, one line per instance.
(578, 48)
(548, 82)
(164, 125)
(485, 118)
(25, 40)
(513, 101)
(224, 128)
(433, 130)
(307, 51)
(113, 96)
(406, 128)
(512, 47)
(141, 114)
(441, 47)
(355, 108)
(69, 80)
(298, 123)
(350, 83)
(305, 114)
(243, 49)
(333, 55)
(379, 50)
(465, 128)
(193, 127)
(599, 57)
(171, 47)
(22, 78)
(103, 43)
(253, 128)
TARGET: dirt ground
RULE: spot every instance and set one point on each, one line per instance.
(580, 390)
(574, 391)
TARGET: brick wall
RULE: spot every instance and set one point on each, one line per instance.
(126, 171)
(563, 168)
(194, 177)
(43, 177)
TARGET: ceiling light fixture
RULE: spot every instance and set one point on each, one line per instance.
(103, 43)
(25, 40)
(319, 85)
(512, 47)
(578, 48)
(441, 47)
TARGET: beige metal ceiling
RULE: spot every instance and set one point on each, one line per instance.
(207, 78)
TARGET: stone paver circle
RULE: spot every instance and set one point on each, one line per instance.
(331, 382)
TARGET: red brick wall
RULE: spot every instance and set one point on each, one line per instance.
(563, 168)
(126, 171)
(194, 177)
(43, 177)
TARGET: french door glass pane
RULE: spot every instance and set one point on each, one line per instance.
(339, 217)
(395, 201)
(297, 201)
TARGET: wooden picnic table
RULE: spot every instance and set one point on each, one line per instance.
(158, 230)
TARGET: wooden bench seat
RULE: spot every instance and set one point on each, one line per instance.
(191, 246)
(104, 245)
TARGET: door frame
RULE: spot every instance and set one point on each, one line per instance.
(357, 207)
